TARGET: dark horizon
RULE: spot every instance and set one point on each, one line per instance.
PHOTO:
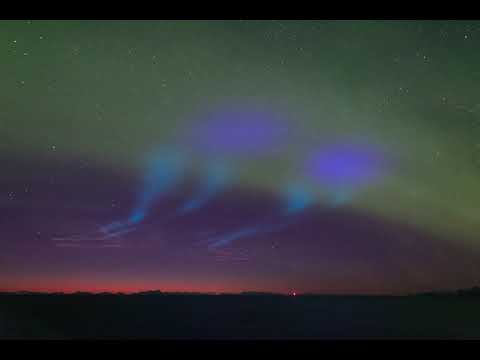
(474, 290)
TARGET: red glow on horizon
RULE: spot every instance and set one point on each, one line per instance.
(69, 286)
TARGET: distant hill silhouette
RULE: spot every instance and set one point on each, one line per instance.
(473, 291)
(260, 293)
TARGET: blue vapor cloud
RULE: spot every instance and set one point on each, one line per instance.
(297, 200)
(243, 233)
(216, 179)
(162, 172)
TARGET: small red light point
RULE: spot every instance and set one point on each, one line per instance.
(294, 293)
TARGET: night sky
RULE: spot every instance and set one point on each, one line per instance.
(227, 156)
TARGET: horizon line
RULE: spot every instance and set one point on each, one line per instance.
(247, 292)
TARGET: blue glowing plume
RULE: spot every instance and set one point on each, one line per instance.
(162, 172)
(229, 238)
(297, 199)
(243, 233)
(215, 180)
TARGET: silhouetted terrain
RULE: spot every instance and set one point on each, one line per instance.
(247, 316)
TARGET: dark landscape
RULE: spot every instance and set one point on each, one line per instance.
(250, 316)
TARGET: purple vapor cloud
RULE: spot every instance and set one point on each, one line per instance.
(240, 132)
(346, 164)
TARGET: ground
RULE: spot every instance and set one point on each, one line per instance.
(163, 316)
